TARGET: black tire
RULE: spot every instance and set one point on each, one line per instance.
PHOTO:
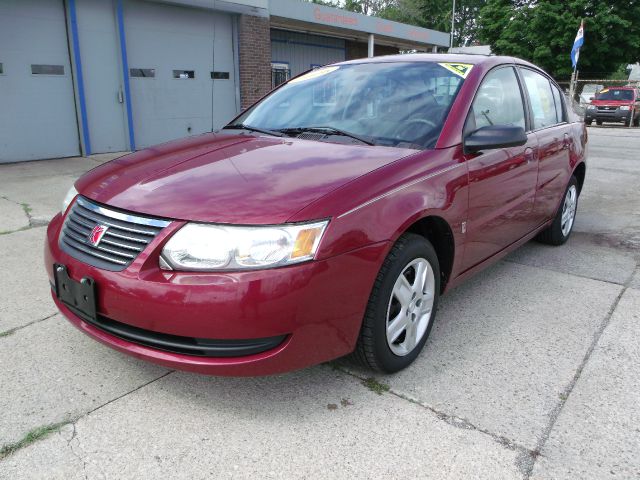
(372, 349)
(553, 235)
(588, 122)
(598, 122)
(636, 121)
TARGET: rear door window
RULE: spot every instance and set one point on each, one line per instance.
(543, 105)
(557, 97)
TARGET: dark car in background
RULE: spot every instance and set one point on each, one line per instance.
(614, 105)
(325, 220)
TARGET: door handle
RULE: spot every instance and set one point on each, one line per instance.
(566, 142)
(529, 154)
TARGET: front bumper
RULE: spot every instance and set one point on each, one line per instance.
(314, 309)
(616, 116)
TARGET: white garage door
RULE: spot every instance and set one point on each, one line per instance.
(37, 108)
(181, 69)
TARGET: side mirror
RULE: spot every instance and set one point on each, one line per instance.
(494, 136)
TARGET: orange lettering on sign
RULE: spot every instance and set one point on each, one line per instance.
(326, 17)
(382, 27)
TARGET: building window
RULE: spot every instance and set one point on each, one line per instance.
(280, 73)
(184, 74)
(47, 69)
(142, 72)
(220, 75)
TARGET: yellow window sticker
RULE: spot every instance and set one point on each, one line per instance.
(604, 90)
(460, 69)
(318, 72)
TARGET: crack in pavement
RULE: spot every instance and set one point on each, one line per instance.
(11, 331)
(75, 420)
(73, 452)
(525, 455)
(26, 209)
(548, 269)
(564, 396)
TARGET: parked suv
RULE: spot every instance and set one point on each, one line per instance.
(618, 105)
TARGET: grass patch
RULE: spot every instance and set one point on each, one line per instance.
(7, 333)
(7, 232)
(27, 208)
(31, 437)
(375, 386)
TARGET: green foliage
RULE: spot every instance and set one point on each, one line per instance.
(31, 437)
(543, 32)
(375, 386)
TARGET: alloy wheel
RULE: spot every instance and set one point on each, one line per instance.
(569, 210)
(410, 307)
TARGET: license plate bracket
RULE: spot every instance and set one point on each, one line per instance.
(79, 296)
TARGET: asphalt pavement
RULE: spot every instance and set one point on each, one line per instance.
(531, 371)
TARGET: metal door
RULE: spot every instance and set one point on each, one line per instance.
(225, 98)
(37, 113)
(175, 89)
(102, 76)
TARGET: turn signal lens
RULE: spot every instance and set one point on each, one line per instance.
(306, 242)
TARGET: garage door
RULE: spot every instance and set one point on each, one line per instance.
(37, 108)
(181, 68)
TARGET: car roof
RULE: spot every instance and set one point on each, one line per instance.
(473, 59)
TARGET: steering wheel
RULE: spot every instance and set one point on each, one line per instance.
(403, 127)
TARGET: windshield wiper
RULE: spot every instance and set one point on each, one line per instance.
(242, 126)
(330, 130)
(486, 115)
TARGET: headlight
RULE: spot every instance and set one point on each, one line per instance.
(625, 107)
(591, 107)
(198, 246)
(71, 194)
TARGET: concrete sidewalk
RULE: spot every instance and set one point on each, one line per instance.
(530, 371)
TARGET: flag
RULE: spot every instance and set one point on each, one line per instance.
(575, 51)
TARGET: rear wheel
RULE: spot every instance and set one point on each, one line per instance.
(560, 230)
(598, 122)
(401, 308)
(588, 122)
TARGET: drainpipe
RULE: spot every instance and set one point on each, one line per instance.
(370, 46)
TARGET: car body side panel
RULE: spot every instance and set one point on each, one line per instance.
(501, 197)
(386, 202)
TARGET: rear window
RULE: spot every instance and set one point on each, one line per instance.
(615, 94)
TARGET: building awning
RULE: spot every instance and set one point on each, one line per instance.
(316, 18)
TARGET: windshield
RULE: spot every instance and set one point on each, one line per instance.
(611, 94)
(393, 104)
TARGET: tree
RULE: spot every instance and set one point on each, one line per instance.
(543, 31)
(436, 14)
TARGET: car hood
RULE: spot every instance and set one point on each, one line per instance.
(239, 179)
(613, 103)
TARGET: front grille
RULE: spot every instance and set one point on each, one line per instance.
(607, 109)
(126, 235)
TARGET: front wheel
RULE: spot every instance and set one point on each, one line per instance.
(402, 306)
(558, 232)
(588, 122)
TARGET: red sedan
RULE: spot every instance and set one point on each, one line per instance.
(325, 220)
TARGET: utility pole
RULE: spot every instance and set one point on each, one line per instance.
(453, 19)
